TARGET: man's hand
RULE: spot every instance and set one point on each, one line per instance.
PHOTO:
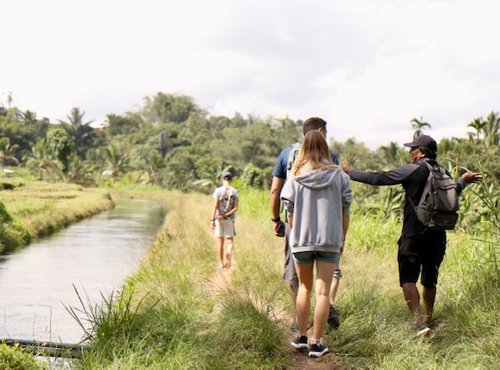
(212, 224)
(279, 229)
(472, 177)
(347, 169)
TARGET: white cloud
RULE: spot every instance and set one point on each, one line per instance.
(367, 66)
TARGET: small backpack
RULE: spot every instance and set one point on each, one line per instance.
(227, 201)
(438, 207)
(292, 156)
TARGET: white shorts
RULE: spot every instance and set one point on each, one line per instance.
(224, 228)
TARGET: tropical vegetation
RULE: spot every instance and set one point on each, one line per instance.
(177, 311)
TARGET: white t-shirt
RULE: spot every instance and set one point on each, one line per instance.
(228, 199)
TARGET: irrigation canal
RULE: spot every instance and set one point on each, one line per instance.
(95, 256)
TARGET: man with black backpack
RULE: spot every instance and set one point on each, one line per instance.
(431, 202)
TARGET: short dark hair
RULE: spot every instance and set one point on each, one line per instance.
(427, 152)
(313, 123)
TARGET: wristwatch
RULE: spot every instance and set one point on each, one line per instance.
(277, 219)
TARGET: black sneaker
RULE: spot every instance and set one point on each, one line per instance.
(317, 350)
(300, 342)
(333, 319)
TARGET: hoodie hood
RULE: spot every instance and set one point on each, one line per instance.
(318, 179)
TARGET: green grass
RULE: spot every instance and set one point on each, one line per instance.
(34, 209)
(16, 359)
(176, 315)
(377, 329)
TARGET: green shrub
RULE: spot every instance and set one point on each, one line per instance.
(16, 359)
(4, 215)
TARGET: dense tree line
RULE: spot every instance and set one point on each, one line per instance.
(170, 141)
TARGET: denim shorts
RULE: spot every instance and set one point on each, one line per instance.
(310, 257)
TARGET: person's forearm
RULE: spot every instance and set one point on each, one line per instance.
(231, 212)
(274, 199)
(394, 177)
(214, 210)
(345, 223)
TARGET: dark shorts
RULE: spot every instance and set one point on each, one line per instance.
(422, 256)
(289, 272)
(310, 257)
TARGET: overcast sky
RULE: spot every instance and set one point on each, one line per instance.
(367, 66)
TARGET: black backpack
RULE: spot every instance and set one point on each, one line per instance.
(438, 207)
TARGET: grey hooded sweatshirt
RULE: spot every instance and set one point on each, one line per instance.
(318, 200)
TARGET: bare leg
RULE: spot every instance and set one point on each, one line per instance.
(333, 289)
(429, 296)
(229, 251)
(412, 298)
(293, 294)
(220, 249)
(324, 276)
(303, 306)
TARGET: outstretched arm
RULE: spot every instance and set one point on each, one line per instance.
(396, 176)
(469, 178)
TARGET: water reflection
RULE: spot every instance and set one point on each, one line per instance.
(95, 255)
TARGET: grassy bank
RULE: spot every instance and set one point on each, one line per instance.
(29, 209)
(178, 311)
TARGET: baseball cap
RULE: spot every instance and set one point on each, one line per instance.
(226, 175)
(424, 141)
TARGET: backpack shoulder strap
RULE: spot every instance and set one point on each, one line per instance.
(428, 183)
(292, 155)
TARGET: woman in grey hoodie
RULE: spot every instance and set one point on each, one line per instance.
(317, 198)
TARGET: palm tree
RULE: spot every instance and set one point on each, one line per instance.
(418, 125)
(390, 153)
(28, 117)
(491, 130)
(7, 152)
(79, 172)
(41, 160)
(80, 132)
(115, 158)
(478, 125)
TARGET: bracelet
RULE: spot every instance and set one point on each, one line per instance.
(277, 219)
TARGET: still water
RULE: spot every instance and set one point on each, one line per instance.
(95, 256)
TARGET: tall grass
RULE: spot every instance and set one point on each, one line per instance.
(187, 315)
(182, 313)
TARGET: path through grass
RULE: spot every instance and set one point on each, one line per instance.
(193, 317)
